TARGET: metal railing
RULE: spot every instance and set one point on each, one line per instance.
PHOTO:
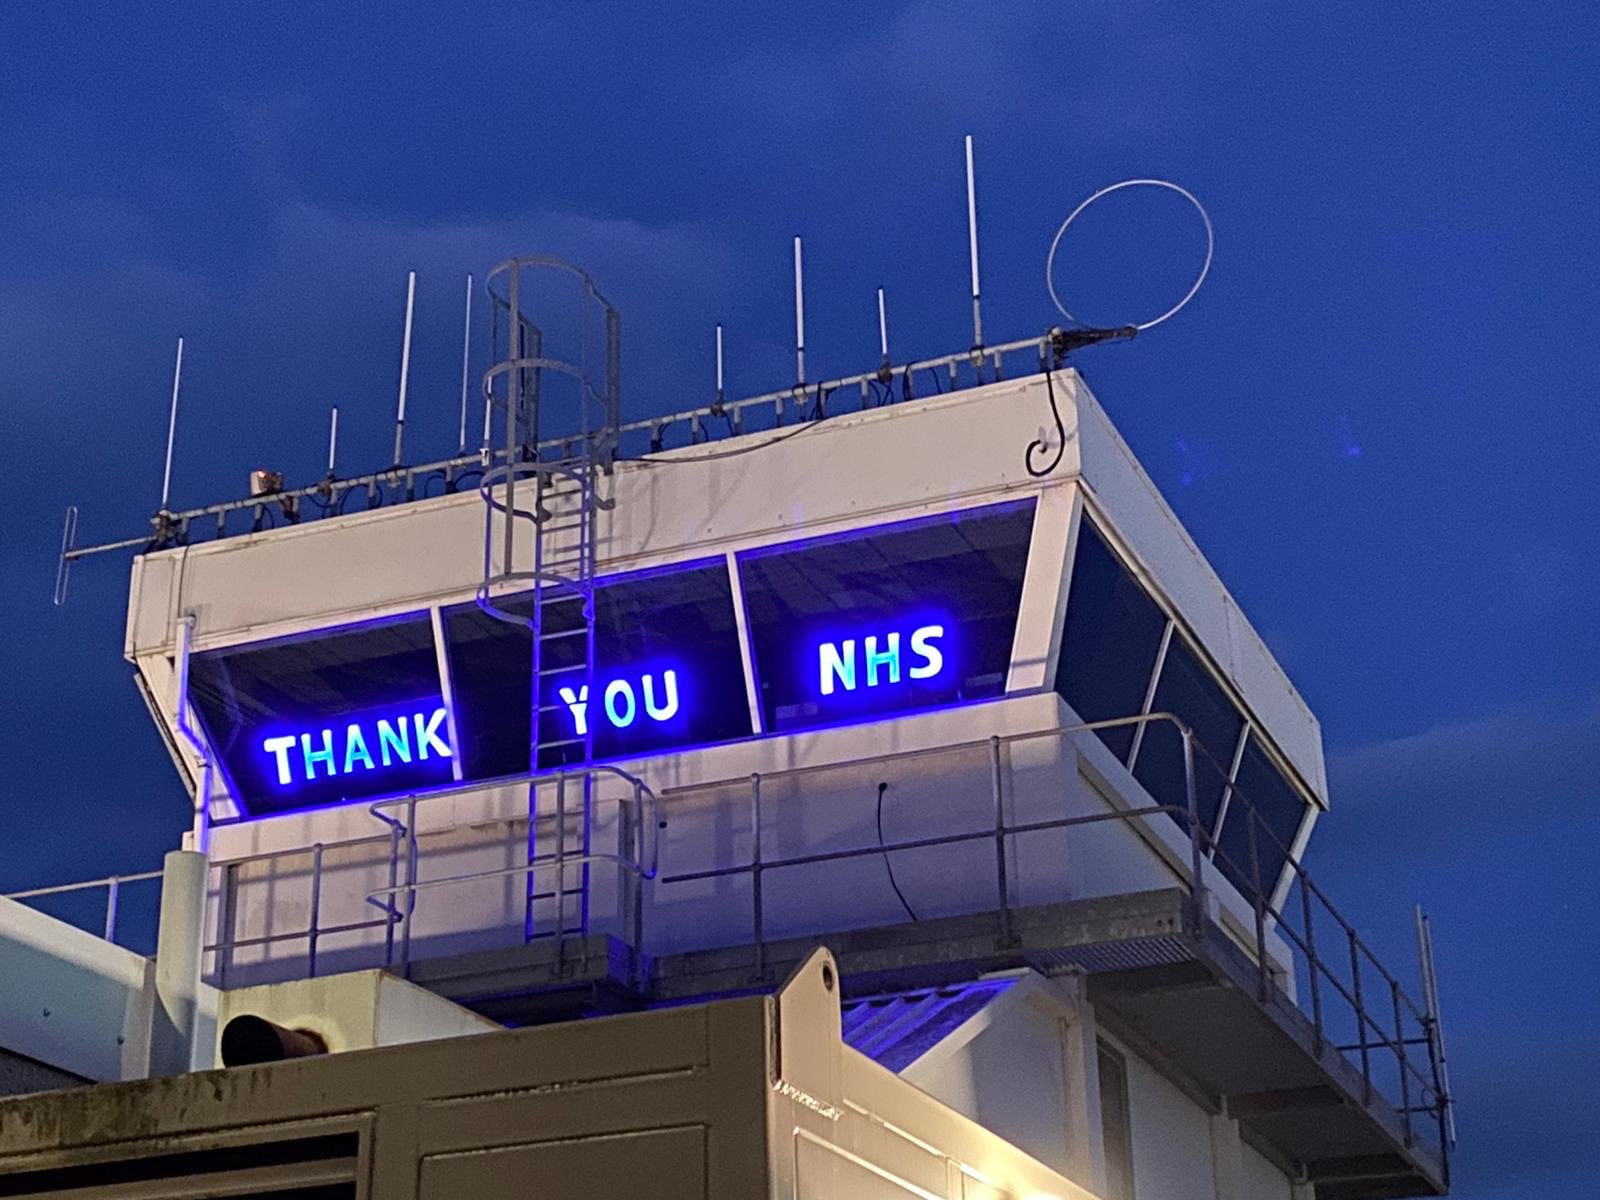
(794, 405)
(1380, 1021)
(1388, 1024)
(112, 883)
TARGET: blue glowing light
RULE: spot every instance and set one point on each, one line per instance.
(836, 660)
(620, 700)
(401, 738)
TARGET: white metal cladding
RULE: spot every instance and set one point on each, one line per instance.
(853, 471)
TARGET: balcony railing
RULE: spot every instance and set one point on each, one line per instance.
(1356, 1006)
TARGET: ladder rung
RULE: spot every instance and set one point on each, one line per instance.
(565, 633)
(558, 744)
(548, 671)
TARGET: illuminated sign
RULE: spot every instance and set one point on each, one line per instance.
(400, 739)
(880, 660)
(620, 700)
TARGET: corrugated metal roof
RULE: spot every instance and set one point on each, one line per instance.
(897, 1030)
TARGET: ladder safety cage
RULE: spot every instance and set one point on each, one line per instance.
(556, 375)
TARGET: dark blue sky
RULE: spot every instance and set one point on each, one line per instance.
(1378, 418)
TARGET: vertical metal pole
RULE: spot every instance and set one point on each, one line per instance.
(799, 317)
(1400, 1054)
(755, 875)
(1430, 991)
(1313, 967)
(112, 886)
(972, 244)
(466, 356)
(1258, 903)
(315, 930)
(172, 427)
(394, 896)
(997, 789)
(1361, 1016)
(513, 405)
(333, 438)
(405, 366)
(411, 885)
(561, 863)
(1197, 886)
(638, 881)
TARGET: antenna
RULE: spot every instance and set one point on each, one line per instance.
(333, 438)
(466, 351)
(799, 317)
(719, 364)
(883, 330)
(405, 366)
(972, 244)
(172, 428)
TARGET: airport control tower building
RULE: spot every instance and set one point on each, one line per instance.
(863, 790)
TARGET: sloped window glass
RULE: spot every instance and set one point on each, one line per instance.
(907, 616)
(1109, 645)
(1261, 789)
(667, 673)
(342, 714)
(1187, 690)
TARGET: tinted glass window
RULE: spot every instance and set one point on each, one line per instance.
(1109, 645)
(338, 715)
(1262, 789)
(1187, 690)
(667, 673)
(906, 616)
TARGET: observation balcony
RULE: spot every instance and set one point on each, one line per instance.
(1260, 998)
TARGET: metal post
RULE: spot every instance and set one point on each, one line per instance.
(997, 787)
(333, 438)
(394, 878)
(1400, 1054)
(1361, 1016)
(561, 863)
(1313, 967)
(112, 886)
(1258, 903)
(411, 888)
(755, 875)
(315, 931)
(638, 881)
(513, 405)
(1197, 887)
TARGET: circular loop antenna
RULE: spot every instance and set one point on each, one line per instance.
(1055, 243)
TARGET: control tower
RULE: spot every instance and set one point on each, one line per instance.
(903, 700)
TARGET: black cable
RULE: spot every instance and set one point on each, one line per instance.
(772, 441)
(1039, 444)
(882, 788)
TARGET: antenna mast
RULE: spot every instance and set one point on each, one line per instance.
(172, 428)
(405, 366)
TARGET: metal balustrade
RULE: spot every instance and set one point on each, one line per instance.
(1345, 983)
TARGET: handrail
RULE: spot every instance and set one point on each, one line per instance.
(328, 495)
(1384, 1024)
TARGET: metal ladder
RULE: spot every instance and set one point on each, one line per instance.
(544, 581)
